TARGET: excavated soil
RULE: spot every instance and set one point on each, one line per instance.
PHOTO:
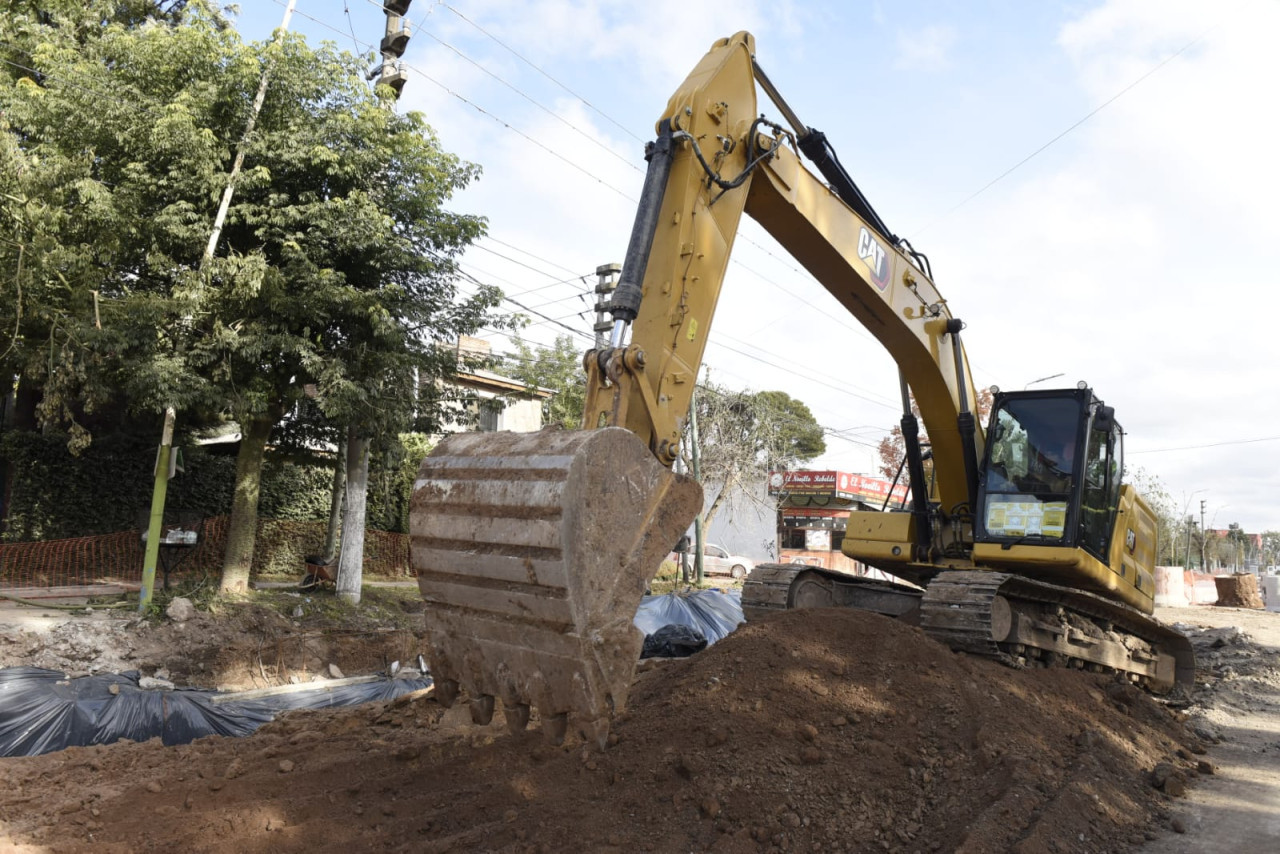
(245, 644)
(811, 731)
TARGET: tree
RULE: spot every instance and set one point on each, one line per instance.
(337, 263)
(1270, 548)
(349, 256)
(745, 435)
(892, 448)
(559, 368)
(86, 194)
(1170, 525)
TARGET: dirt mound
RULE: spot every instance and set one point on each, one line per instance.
(1238, 591)
(813, 731)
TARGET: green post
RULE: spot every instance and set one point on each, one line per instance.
(697, 475)
(157, 512)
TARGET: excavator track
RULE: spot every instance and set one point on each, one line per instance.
(773, 587)
(1017, 620)
(1010, 618)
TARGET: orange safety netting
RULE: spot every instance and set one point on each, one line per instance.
(280, 550)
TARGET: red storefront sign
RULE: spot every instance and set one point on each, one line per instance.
(803, 482)
(837, 484)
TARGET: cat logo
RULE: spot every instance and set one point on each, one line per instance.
(870, 250)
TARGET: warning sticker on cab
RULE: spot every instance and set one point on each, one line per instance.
(1026, 518)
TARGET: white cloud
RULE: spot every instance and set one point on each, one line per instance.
(1143, 260)
(925, 49)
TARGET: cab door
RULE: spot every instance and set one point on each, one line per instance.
(1103, 468)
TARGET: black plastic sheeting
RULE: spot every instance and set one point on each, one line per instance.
(673, 642)
(42, 710)
(711, 613)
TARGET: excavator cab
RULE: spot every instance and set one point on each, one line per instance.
(1051, 494)
(1052, 472)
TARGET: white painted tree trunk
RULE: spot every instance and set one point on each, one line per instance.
(351, 557)
(335, 504)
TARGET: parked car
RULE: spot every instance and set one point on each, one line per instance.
(716, 560)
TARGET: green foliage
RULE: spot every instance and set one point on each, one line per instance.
(335, 270)
(106, 488)
(558, 368)
(795, 435)
(1169, 527)
(1270, 555)
(744, 435)
(336, 266)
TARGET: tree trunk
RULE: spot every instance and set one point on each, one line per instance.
(351, 560)
(242, 529)
(710, 515)
(20, 415)
(335, 503)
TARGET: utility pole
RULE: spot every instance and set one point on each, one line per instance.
(391, 72)
(230, 189)
(1204, 536)
(354, 513)
(605, 286)
(1186, 561)
(697, 475)
(152, 554)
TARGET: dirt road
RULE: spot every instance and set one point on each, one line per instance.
(1237, 809)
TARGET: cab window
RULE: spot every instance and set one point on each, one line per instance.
(1104, 466)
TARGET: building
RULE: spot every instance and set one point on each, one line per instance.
(813, 513)
(488, 401)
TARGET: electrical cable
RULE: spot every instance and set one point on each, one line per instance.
(1170, 58)
(538, 69)
(1209, 445)
(592, 139)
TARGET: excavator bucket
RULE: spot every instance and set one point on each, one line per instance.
(532, 551)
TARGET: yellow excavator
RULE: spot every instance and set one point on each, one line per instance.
(533, 550)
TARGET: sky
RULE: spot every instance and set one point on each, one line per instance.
(1095, 184)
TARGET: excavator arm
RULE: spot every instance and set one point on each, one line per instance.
(714, 160)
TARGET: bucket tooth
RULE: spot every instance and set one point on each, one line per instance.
(596, 731)
(517, 715)
(482, 709)
(446, 692)
(555, 727)
(532, 551)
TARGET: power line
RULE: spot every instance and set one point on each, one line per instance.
(515, 130)
(521, 263)
(558, 321)
(840, 389)
(1170, 58)
(478, 109)
(590, 138)
(346, 7)
(703, 389)
(538, 69)
(527, 252)
(1209, 445)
